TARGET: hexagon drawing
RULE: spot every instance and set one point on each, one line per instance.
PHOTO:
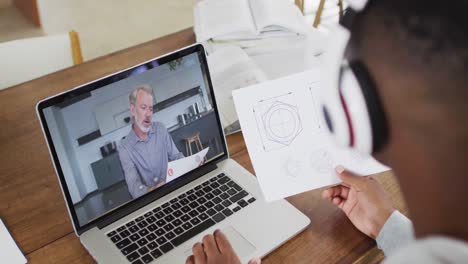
(278, 122)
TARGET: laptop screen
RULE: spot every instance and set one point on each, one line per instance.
(133, 133)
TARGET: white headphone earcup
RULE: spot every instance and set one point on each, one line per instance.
(335, 119)
(331, 107)
(355, 106)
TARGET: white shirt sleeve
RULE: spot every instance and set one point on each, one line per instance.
(396, 232)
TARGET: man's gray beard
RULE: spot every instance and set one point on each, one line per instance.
(140, 126)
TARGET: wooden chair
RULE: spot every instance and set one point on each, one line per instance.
(195, 138)
(26, 59)
(321, 6)
(318, 14)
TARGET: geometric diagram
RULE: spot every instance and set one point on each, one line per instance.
(278, 121)
(315, 103)
(282, 123)
(292, 167)
(321, 161)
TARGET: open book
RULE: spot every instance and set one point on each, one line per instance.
(246, 19)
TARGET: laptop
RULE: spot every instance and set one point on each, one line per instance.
(145, 171)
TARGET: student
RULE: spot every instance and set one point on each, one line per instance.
(417, 54)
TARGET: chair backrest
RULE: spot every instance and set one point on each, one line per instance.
(26, 59)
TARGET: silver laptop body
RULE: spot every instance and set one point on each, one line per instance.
(162, 225)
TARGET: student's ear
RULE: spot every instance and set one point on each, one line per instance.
(382, 156)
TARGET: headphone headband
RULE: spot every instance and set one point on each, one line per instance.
(357, 5)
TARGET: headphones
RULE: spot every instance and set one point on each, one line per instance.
(350, 104)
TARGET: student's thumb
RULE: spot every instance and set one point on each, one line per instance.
(255, 260)
(348, 177)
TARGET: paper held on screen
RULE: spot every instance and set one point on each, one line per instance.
(179, 167)
(288, 144)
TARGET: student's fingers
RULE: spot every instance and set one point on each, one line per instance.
(222, 242)
(190, 260)
(255, 260)
(339, 190)
(350, 178)
(339, 202)
(209, 244)
(336, 200)
(199, 253)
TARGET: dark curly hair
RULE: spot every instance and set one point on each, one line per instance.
(433, 38)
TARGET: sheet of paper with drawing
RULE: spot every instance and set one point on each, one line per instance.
(288, 144)
(179, 167)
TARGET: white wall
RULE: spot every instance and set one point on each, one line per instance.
(79, 120)
(107, 26)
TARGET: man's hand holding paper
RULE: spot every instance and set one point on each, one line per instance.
(179, 167)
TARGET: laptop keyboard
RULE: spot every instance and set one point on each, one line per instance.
(158, 231)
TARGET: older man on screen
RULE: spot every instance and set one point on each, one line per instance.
(148, 147)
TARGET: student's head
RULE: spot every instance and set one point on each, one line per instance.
(417, 54)
(141, 107)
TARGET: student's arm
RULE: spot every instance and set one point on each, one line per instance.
(396, 232)
(134, 183)
(362, 199)
(369, 208)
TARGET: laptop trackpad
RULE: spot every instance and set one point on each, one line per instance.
(241, 246)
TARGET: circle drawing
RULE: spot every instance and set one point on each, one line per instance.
(292, 167)
(321, 161)
(282, 123)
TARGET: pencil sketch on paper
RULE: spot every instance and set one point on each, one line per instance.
(292, 168)
(278, 121)
(321, 161)
(312, 87)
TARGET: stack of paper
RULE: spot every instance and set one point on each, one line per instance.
(230, 69)
(261, 24)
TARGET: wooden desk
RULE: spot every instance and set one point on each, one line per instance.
(31, 202)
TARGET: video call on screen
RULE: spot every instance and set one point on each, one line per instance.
(112, 149)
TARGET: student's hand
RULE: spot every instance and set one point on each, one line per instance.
(363, 200)
(215, 249)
